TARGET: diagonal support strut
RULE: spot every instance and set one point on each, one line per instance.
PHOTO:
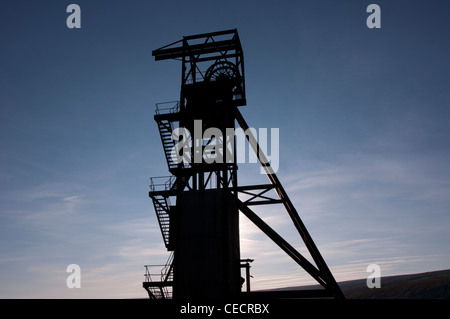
(325, 272)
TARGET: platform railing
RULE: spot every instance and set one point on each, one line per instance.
(167, 107)
(161, 183)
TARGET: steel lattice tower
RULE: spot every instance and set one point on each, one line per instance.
(198, 206)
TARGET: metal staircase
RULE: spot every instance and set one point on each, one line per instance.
(162, 287)
(162, 208)
(165, 127)
(165, 130)
(161, 188)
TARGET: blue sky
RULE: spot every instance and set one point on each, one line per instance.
(364, 136)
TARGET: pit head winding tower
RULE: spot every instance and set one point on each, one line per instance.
(198, 206)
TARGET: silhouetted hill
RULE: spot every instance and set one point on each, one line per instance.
(428, 285)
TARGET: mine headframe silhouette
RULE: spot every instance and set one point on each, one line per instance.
(198, 206)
